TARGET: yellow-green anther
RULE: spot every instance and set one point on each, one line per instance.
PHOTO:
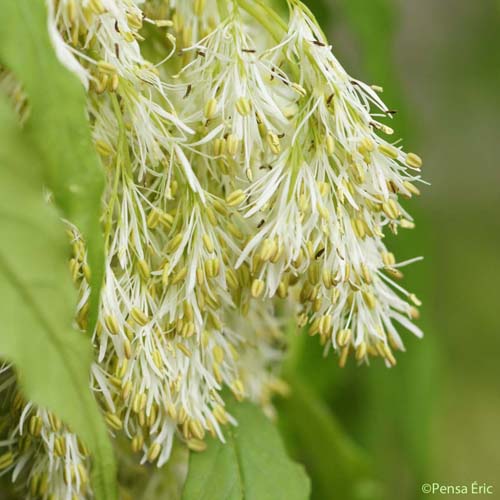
(210, 107)
(389, 151)
(235, 198)
(413, 160)
(139, 316)
(243, 106)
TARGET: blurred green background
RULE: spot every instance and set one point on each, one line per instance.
(374, 433)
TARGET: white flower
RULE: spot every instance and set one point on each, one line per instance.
(41, 450)
(244, 166)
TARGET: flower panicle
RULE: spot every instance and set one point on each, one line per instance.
(247, 173)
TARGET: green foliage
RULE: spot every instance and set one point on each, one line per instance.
(37, 298)
(58, 127)
(38, 301)
(149, 482)
(337, 466)
(167, 482)
(252, 464)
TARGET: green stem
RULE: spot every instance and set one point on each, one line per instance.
(118, 170)
(222, 8)
(309, 12)
(266, 16)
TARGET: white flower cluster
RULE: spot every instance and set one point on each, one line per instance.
(245, 170)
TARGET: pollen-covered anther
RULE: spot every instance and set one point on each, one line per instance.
(220, 414)
(144, 269)
(207, 241)
(179, 275)
(325, 325)
(299, 89)
(139, 402)
(274, 142)
(154, 452)
(361, 351)
(232, 143)
(394, 272)
(139, 316)
(388, 258)
(243, 106)
(218, 354)
(366, 146)
(96, 6)
(210, 108)
(235, 198)
(60, 446)
(344, 337)
(113, 421)
(323, 211)
(411, 188)
(389, 151)
(196, 445)
(359, 227)
(106, 67)
(238, 389)
(153, 218)
(407, 224)
(113, 83)
(167, 219)
(212, 267)
(389, 356)
(330, 145)
(344, 353)
(370, 300)
(219, 146)
(267, 249)
(134, 20)
(413, 160)
(175, 242)
(126, 390)
(35, 425)
(196, 429)
(391, 209)
(184, 349)
(111, 324)
(163, 23)
(137, 443)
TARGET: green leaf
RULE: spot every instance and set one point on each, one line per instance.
(148, 481)
(58, 126)
(251, 465)
(166, 482)
(60, 134)
(37, 302)
(337, 466)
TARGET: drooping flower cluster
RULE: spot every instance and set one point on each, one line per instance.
(245, 169)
